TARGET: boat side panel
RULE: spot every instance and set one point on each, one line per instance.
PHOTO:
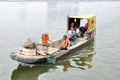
(74, 50)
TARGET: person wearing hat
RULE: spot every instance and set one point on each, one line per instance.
(45, 39)
(65, 43)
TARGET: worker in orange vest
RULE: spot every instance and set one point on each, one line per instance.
(45, 39)
(65, 43)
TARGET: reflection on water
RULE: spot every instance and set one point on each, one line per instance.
(81, 59)
(29, 73)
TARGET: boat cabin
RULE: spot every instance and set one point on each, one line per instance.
(86, 21)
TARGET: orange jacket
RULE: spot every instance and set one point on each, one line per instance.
(65, 43)
(45, 38)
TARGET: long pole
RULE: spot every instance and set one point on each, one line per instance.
(67, 25)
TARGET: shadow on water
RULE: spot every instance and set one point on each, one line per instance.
(82, 59)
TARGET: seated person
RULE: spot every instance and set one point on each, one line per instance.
(72, 32)
(83, 29)
(65, 43)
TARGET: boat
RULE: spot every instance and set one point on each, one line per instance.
(37, 55)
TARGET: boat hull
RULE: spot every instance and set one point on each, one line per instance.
(28, 59)
(73, 50)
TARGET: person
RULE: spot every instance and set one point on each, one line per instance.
(83, 29)
(72, 32)
(45, 39)
(72, 27)
(65, 43)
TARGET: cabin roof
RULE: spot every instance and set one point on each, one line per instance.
(83, 16)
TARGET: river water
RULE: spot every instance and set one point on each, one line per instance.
(20, 21)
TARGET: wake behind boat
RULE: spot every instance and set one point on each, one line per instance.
(35, 53)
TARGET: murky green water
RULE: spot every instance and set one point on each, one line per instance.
(20, 21)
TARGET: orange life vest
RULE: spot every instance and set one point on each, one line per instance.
(45, 38)
(65, 43)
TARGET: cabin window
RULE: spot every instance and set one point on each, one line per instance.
(83, 22)
(75, 21)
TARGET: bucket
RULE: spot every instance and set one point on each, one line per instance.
(72, 43)
(51, 60)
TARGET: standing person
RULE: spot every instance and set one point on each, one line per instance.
(45, 39)
(65, 43)
(73, 28)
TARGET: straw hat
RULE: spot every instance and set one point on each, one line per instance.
(46, 33)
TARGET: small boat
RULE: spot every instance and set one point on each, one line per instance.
(38, 55)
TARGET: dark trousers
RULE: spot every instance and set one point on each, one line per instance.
(82, 30)
(72, 38)
(63, 48)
